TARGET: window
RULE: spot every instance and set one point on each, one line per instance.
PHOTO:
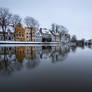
(19, 33)
(22, 34)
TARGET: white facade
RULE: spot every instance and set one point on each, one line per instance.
(38, 37)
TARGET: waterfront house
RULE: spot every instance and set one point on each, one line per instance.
(30, 34)
(46, 35)
(55, 37)
(60, 37)
(65, 38)
(9, 36)
(19, 33)
(39, 35)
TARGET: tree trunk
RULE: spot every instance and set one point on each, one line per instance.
(3, 33)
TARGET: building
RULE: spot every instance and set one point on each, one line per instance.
(39, 35)
(9, 36)
(57, 37)
(30, 34)
(46, 35)
(63, 37)
(19, 33)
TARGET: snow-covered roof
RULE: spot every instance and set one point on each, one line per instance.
(38, 33)
(46, 31)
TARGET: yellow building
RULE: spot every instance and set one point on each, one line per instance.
(30, 34)
(19, 33)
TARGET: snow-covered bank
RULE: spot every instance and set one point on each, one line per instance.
(37, 45)
(15, 42)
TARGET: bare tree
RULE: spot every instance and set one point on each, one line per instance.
(5, 17)
(31, 22)
(15, 20)
(58, 29)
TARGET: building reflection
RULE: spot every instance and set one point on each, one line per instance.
(14, 59)
(31, 59)
(20, 54)
(30, 52)
(60, 53)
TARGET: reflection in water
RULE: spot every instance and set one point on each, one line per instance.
(50, 68)
(15, 58)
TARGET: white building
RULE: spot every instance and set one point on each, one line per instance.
(38, 37)
(46, 35)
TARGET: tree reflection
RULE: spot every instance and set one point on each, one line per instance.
(6, 60)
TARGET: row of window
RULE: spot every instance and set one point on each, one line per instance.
(7, 38)
(30, 33)
(20, 34)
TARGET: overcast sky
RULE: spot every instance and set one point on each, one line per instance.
(76, 15)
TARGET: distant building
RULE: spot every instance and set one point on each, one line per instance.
(30, 34)
(19, 33)
(61, 37)
(9, 36)
(55, 37)
(65, 38)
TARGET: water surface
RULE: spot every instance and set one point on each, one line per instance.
(45, 68)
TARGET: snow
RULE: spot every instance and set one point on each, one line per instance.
(15, 42)
(45, 31)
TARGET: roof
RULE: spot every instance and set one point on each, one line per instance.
(38, 33)
(46, 31)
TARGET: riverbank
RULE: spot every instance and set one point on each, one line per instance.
(15, 42)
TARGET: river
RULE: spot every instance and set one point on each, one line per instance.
(45, 68)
